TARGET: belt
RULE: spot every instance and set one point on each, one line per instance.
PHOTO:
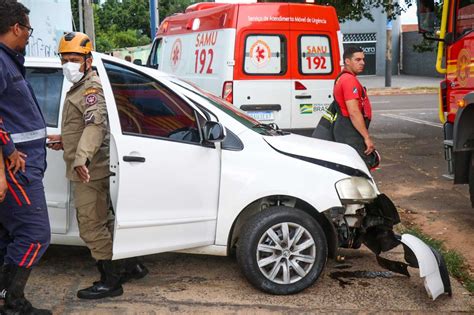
(29, 135)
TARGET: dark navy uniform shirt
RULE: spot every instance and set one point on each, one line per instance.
(22, 125)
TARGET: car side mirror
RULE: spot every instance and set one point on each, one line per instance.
(138, 62)
(214, 132)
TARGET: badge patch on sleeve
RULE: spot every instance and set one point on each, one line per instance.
(91, 99)
(89, 118)
(355, 91)
(91, 96)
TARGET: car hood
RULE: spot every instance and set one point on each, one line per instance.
(337, 156)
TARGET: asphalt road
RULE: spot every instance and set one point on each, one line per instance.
(412, 166)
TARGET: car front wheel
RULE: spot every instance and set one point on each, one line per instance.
(282, 250)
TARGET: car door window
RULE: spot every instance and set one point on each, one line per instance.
(47, 83)
(148, 108)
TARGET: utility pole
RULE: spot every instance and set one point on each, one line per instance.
(388, 52)
(89, 21)
(154, 17)
(81, 16)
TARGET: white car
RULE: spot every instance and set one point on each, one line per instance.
(193, 173)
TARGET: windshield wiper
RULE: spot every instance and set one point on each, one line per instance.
(272, 127)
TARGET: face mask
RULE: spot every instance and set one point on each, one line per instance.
(71, 71)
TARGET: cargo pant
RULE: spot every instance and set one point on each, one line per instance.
(24, 223)
(345, 132)
(94, 217)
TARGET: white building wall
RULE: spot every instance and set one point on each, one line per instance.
(50, 19)
(378, 26)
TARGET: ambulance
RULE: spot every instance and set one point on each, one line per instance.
(276, 61)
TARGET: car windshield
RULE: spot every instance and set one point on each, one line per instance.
(231, 110)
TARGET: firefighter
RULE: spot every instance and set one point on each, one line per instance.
(85, 141)
(354, 109)
(24, 224)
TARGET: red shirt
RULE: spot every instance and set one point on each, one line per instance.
(349, 88)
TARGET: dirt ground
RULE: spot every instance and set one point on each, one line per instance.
(427, 200)
(197, 284)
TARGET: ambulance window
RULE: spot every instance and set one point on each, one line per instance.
(148, 108)
(265, 55)
(47, 83)
(314, 54)
(153, 59)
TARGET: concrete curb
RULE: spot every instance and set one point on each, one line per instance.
(401, 91)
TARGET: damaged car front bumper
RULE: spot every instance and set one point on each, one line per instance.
(372, 224)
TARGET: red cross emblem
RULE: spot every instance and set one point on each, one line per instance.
(176, 51)
(260, 53)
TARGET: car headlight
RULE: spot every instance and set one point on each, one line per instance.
(356, 190)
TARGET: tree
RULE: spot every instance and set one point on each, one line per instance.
(170, 7)
(117, 22)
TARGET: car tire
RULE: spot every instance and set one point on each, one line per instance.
(274, 250)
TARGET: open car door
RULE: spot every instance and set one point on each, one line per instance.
(165, 182)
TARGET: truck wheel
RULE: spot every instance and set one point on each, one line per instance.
(282, 250)
(471, 179)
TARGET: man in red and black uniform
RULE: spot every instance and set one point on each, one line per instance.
(355, 111)
(24, 224)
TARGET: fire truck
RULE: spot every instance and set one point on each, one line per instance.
(456, 104)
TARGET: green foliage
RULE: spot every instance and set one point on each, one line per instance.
(425, 45)
(170, 7)
(359, 9)
(127, 14)
(346, 9)
(113, 38)
(122, 24)
(117, 22)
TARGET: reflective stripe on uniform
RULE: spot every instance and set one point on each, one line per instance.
(329, 116)
(29, 136)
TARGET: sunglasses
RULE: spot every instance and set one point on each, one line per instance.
(30, 29)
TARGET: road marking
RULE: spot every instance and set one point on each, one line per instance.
(414, 120)
(405, 110)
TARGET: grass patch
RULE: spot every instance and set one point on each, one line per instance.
(455, 262)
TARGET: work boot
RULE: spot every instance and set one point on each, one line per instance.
(5, 273)
(133, 269)
(15, 301)
(109, 288)
(100, 267)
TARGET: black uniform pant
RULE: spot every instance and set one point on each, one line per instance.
(345, 132)
(24, 224)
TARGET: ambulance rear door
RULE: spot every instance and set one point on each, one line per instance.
(205, 58)
(313, 78)
(262, 81)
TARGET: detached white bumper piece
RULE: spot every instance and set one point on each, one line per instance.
(431, 264)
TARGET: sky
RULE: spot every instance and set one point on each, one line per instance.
(409, 17)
